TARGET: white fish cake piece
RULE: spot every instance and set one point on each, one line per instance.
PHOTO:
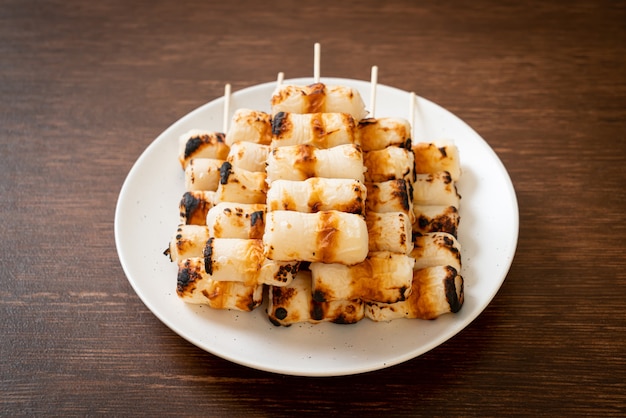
(388, 164)
(326, 236)
(318, 98)
(436, 249)
(233, 259)
(432, 157)
(390, 196)
(248, 125)
(236, 220)
(317, 194)
(380, 133)
(194, 206)
(202, 174)
(196, 287)
(435, 291)
(248, 155)
(278, 273)
(436, 219)
(241, 186)
(201, 144)
(300, 162)
(435, 189)
(188, 241)
(322, 130)
(390, 231)
(381, 277)
(293, 304)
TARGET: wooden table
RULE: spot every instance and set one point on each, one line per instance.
(85, 87)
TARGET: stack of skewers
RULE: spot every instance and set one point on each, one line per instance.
(337, 215)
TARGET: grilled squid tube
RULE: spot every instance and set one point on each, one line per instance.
(381, 277)
(201, 144)
(300, 162)
(318, 98)
(202, 174)
(378, 134)
(248, 156)
(435, 291)
(189, 241)
(249, 125)
(322, 130)
(293, 304)
(390, 196)
(388, 164)
(327, 236)
(241, 186)
(236, 220)
(193, 286)
(432, 158)
(389, 231)
(436, 249)
(194, 206)
(436, 219)
(435, 189)
(317, 194)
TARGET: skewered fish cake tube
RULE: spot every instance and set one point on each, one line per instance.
(300, 162)
(236, 220)
(390, 196)
(318, 98)
(327, 236)
(270, 272)
(248, 155)
(241, 186)
(389, 231)
(381, 277)
(377, 134)
(202, 174)
(193, 286)
(432, 158)
(436, 219)
(322, 130)
(435, 189)
(249, 125)
(194, 206)
(232, 259)
(388, 164)
(201, 144)
(436, 249)
(435, 291)
(293, 304)
(189, 241)
(317, 194)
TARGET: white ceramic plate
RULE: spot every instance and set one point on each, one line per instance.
(147, 215)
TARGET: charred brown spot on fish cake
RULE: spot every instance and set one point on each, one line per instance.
(281, 124)
(193, 208)
(257, 224)
(327, 236)
(281, 297)
(318, 310)
(226, 170)
(186, 278)
(208, 256)
(453, 284)
(193, 144)
(305, 160)
(285, 271)
(400, 190)
(316, 98)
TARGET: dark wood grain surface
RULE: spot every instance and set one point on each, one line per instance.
(86, 86)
